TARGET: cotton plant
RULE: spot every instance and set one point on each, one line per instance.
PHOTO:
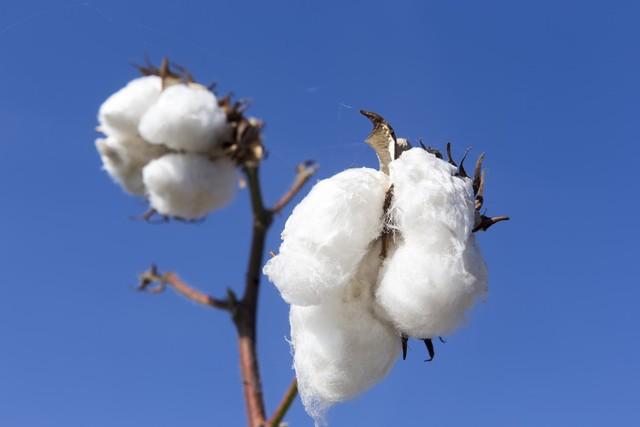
(171, 140)
(370, 258)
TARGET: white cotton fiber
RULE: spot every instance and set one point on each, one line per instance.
(123, 158)
(185, 118)
(340, 347)
(425, 192)
(436, 271)
(327, 235)
(189, 186)
(425, 290)
(120, 114)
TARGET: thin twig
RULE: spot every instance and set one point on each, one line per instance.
(284, 405)
(171, 279)
(304, 172)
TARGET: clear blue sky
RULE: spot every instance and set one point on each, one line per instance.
(550, 90)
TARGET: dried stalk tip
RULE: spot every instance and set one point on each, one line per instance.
(149, 278)
(307, 168)
(382, 139)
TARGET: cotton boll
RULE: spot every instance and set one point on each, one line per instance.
(340, 347)
(425, 191)
(426, 286)
(327, 235)
(120, 114)
(185, 117)
(123, 158)
(189, 186)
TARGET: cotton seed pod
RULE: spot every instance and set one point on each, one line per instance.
(185, 117)
(340, 347)
(436, 271)
(189, 186)
(327, 235)
(120, 114)
(427, 192)
(123, 159)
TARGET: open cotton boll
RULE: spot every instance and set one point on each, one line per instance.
(185, 118)
(327, 235)
(123, 158)
(340, 348)
(426, 191)
(120, 114)
(189, 186)
(426, 286)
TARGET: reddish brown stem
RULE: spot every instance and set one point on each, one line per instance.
(244, 316)
(304, 172)
(192, 294)
(285, 404)
(172, 280)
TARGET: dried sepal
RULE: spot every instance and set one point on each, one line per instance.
(245, 146)
(449, 156)
(430, 349)
(382, 139)
(461, 172)
(484, 222)
(478, 174)
(405, 345)
(430, 150)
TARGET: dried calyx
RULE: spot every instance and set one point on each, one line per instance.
(388, 148)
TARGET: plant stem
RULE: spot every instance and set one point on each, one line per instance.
(244, 311)
(285, 404)
(244, 316)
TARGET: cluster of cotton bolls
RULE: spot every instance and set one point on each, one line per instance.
(163, 140)
(368, 259)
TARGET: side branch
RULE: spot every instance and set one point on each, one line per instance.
(154, 282)
(284, 405)
(304, 172)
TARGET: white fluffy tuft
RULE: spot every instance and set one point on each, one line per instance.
(123, 158)
(436, 271)
(185, 118)
(425, 290)
(189, 186)
(120, 114)
(426, 192)
(327, 235)
(340, 348)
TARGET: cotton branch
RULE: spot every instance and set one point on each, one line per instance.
(284, 405)
(304, 172)
(244, 315)
(160, 281)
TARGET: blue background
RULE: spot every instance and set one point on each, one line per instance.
(550, 90)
